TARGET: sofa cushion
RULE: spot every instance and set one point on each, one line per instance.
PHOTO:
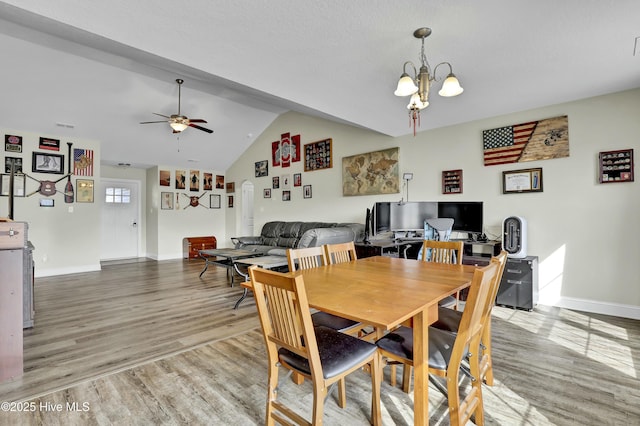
(320, 236)
(357, 228)
(290, 230)
(271, 229)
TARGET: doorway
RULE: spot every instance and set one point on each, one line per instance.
(246, 225)
(120, 204)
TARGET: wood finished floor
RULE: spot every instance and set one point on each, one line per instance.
(150, 343)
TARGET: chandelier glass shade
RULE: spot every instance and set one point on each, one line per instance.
(418, 86)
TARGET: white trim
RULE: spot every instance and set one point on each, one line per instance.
(595, 307)
(64, 271)
(114, 181)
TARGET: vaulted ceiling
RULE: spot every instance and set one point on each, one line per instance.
(96, 69)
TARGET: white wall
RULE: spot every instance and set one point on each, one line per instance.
(584, 233)
(170, 227)
(67, 236)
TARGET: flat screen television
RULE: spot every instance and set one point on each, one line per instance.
(466, 215)
(394, 216)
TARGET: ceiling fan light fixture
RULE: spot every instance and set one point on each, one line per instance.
(178, 126)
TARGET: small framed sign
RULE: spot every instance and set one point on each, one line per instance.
(525, 180)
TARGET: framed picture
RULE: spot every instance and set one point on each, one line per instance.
(13, 143)
(84, 191)
(166, 200)
(47, 143)
(318, 155)
(262, 168)
(214, 201)
(43, 162)
(19, 183)
(525, 180)
(616, 166)
(306, 191)
(231, 187)
(194, 180)
(165, 178)
(275, 182)
(286, 195)
(266, 193)
(16, 162)
(181, 179)
(207, 181)
(230, 204)
(219, 182)
(285, 181)
(297, 179)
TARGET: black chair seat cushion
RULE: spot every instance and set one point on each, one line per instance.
(400, 343)
(338, 353)
(323, 319)
(448, 302)
(448, 320)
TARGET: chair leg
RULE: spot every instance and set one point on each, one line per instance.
(376, 381)
(487, 367)
(272, 393)
(342, 393)
(319, 395)
(392, 377)
(297, 378)
(406, 378)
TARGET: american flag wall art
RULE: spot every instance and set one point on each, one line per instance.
(535, 140)
(82, 162)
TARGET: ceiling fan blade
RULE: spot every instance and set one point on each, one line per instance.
(161, 115)
(150, 122)
(197, 120)
(200, 128)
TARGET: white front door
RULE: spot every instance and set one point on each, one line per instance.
(120, 219)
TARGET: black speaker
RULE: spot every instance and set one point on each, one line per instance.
(514, 236)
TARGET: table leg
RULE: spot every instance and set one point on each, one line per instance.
(206, 265)
(245, 291)
(421, 369)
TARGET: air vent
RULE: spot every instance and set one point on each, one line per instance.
(68, 126)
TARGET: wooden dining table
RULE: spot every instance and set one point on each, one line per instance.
(385, 292)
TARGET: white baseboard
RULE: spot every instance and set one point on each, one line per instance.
(605, 308)
(39, 272)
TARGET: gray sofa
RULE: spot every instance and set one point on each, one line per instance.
(276, 237)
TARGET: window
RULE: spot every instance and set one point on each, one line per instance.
(118, 195)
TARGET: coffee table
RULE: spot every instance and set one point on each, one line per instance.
(266, 262)
(225, 257)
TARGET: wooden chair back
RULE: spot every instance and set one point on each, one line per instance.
(284, 314)
(340, 253)
(442, 251)
(469, 336)
(306, 258)
(486, 361)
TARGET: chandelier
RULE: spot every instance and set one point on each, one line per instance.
(418, 86)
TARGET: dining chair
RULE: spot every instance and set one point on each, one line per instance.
(313, 257)
(444, 252)
(340, 252)
(447, 350)
(323, 355)
(449, 320)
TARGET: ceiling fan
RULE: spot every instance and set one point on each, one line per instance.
(180, 122)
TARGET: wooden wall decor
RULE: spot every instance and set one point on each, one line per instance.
(535, 140)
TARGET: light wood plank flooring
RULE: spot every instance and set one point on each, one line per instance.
(204, 363)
